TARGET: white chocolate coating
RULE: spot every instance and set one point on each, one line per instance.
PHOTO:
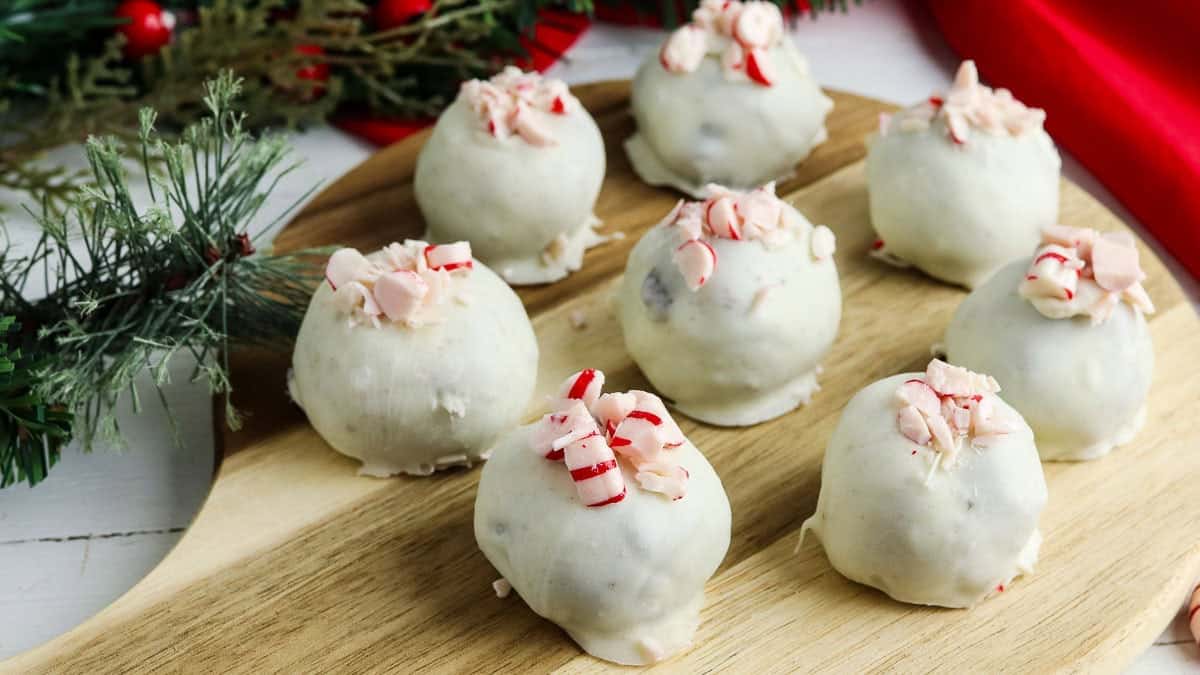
(417, 399)
(698, 128)
(951, 541)
(1081, 387)
(526, 209)
(960, 212)
(746, 346)
(625, 580)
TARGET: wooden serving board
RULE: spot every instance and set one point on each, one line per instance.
(296, 564)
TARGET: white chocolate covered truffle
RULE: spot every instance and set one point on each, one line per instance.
(931, 489)
(1064, 334)
(414, 359)
(606, 521)
(729, 305)
(514, 166)
(728, 99)
(961, 184)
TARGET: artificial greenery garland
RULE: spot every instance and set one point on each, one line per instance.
(128, 287)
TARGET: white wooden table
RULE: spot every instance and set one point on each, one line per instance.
(101, 521)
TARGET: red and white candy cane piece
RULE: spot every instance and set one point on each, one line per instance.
(610, 409)
(585, 386)
(728, 16)
(722, 218)
(1054, 273)
(913, 426)
(646, 430)
(683, 50)
(919, 395)
(559, 424)
(758, 24)
(593, 467)
(760, 209)
(760, 68)
(344, 266)
(1194, 615)
(400, 294)
(697, 260)
(449, 257)
(528, 127)
(947, 380)
(1115, 262)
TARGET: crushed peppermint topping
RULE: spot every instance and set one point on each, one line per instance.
(968, 105)
(589, 431)
(515, 103)
(948, 408)
(740, 32)
(739, 216)
(405, 283)
(1079, 271)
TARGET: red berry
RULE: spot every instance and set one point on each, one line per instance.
(147, 29)
(394, 13)
(317, 71)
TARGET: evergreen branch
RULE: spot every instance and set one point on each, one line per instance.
(128, 288)
(32, 432)
(409, 70)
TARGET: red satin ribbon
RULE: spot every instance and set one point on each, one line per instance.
(1121, 88)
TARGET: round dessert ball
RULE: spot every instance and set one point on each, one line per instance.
(759, 312)
(1081, 383)
(961, 185)
(728, 99)
(944, 523)
(412, 381)
(622, 571)
(514, 166)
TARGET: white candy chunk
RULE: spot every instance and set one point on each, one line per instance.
(585, 386)
(684, 50)
(758, 25)
(400, 294)
(697, 260)
(723, 220)
(344, 266)
(823, 243)
(1115, 262)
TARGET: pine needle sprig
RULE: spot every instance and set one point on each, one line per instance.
(130, 287)
(32, 431)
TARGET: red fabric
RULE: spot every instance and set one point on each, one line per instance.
(1121, 89)
(553, 34)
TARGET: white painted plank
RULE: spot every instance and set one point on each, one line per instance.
(46, 588)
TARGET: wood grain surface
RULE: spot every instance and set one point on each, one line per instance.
(295, 564)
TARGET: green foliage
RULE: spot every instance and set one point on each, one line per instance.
(87, 87)
(128, 288)
(32, 432)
